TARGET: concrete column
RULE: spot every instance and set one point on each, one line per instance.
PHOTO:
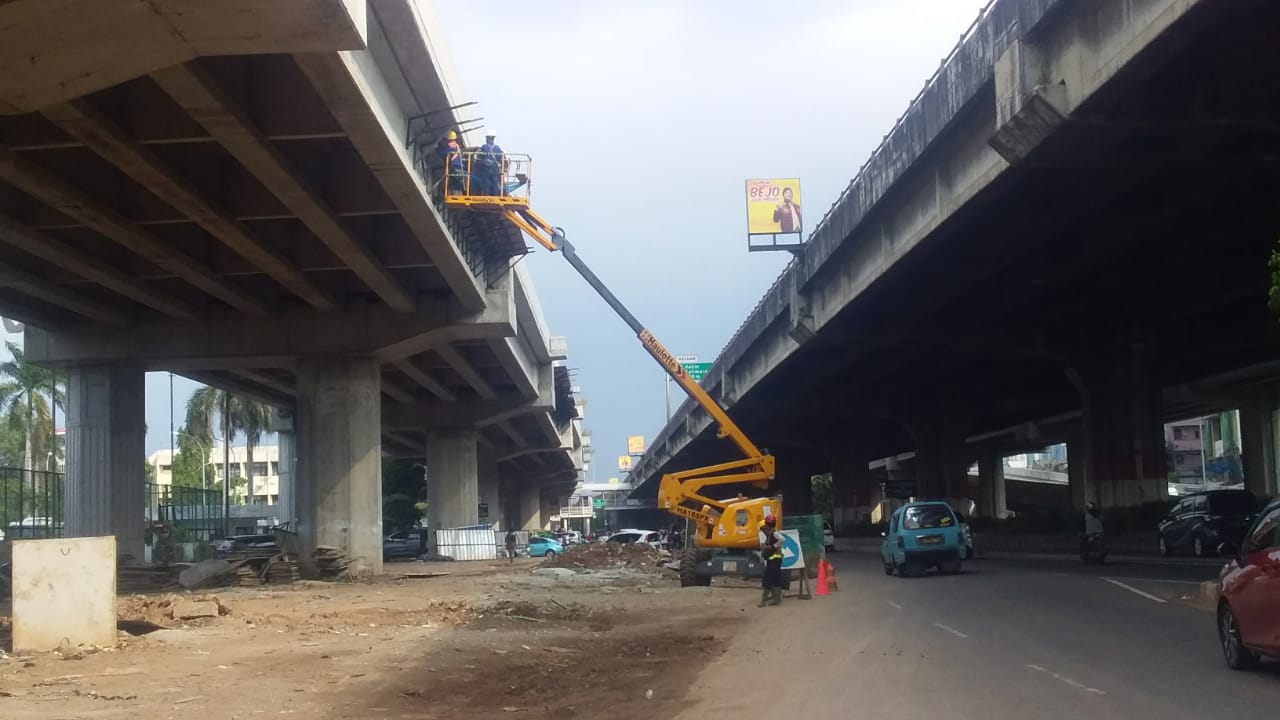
(942, 463)
(338, 464)
(487, 486)
(282, 425)
(453, 490)
(992, 500)
(105, 484)
(529, 516)
(1122, 432)
(856, 494)
(1258, 447)
(794, 479)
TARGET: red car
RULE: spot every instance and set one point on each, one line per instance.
(1249, 609)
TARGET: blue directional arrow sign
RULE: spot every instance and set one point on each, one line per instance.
(792, 554)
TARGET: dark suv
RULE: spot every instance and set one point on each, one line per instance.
(1203, 521)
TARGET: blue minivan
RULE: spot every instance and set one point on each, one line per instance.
(923, 535)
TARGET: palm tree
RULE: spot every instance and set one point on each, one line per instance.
(26, 394)
(236, 414)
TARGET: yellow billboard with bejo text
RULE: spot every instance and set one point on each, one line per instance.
(773, 207)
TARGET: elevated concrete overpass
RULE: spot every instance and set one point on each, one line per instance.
(244, 193)
(1064, 238)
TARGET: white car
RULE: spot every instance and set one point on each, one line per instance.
(626, 537)
(828, 538)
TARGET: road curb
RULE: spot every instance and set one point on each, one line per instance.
(1209, 591)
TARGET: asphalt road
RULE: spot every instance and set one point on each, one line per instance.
(1008, 638)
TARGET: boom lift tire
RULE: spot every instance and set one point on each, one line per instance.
(689, 560)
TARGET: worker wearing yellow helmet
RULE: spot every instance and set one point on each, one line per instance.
(771, 552)
(451, 155)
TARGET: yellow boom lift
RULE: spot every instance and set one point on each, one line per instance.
(726, 530)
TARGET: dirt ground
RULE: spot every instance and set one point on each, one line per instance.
(487, 640)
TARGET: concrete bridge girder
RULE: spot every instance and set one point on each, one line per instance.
(1027, 58)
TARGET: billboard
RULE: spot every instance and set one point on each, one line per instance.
(635, 445)
(624, 463)
(773, 207)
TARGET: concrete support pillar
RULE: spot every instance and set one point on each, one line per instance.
(992, 501)
(1076, 464)
(794, 479)
(453, 488)
(1123, 450)
(1258, 447)
(106, 452)
(282, 425)
(942, 463)
(529, 516)
(338, 463)
(490, 510)
(856, 495)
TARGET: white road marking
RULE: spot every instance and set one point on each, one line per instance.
(1133, 590)
(1073, 683)
(1158, 580)
(951, 630)
(894, 604)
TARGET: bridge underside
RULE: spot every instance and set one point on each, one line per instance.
(1082, 280)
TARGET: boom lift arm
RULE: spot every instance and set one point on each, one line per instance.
(679, 492)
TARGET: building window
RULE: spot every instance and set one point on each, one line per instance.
(275, 468)
(1197, 433)
(166, 468)
(259, 469)
(1177, 433)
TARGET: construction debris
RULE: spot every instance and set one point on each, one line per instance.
(601, 556)
(192, 610)
(330, 562)
(206, 574)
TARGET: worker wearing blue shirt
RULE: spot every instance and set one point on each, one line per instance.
(488, 167)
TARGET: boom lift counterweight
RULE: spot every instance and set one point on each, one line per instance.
(726, 530)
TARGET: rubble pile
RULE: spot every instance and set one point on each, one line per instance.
(166, 609)
(606, 556)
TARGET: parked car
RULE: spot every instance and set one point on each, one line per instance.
(1199, 523)
(649, 537)
(402, 545)
(828, 537)
(540, 546)
(1249, 605)
(922, 535)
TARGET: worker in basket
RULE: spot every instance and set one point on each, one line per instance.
(771, 552)
(451, 154)
(489, 167)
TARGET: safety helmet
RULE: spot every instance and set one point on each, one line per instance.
(490, 133)
(451, 135)
(770, 520)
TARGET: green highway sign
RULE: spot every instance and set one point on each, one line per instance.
(696, 370)
(597, 502)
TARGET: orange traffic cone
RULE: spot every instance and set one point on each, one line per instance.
(831, 575)
(822, 578)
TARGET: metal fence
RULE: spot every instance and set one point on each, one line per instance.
(477, 542)
(31, 504)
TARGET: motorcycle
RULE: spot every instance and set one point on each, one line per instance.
(1093, 549)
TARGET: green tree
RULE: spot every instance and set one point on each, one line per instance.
(404, 493)
(26, 395)
(210, 407)
(189, 465)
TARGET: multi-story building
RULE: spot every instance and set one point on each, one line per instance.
(266, 472)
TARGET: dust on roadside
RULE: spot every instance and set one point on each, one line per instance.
(486, 640)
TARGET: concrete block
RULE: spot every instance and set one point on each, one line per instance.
(64, 592)
(192, 609)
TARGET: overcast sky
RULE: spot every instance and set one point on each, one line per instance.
(644, 120)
